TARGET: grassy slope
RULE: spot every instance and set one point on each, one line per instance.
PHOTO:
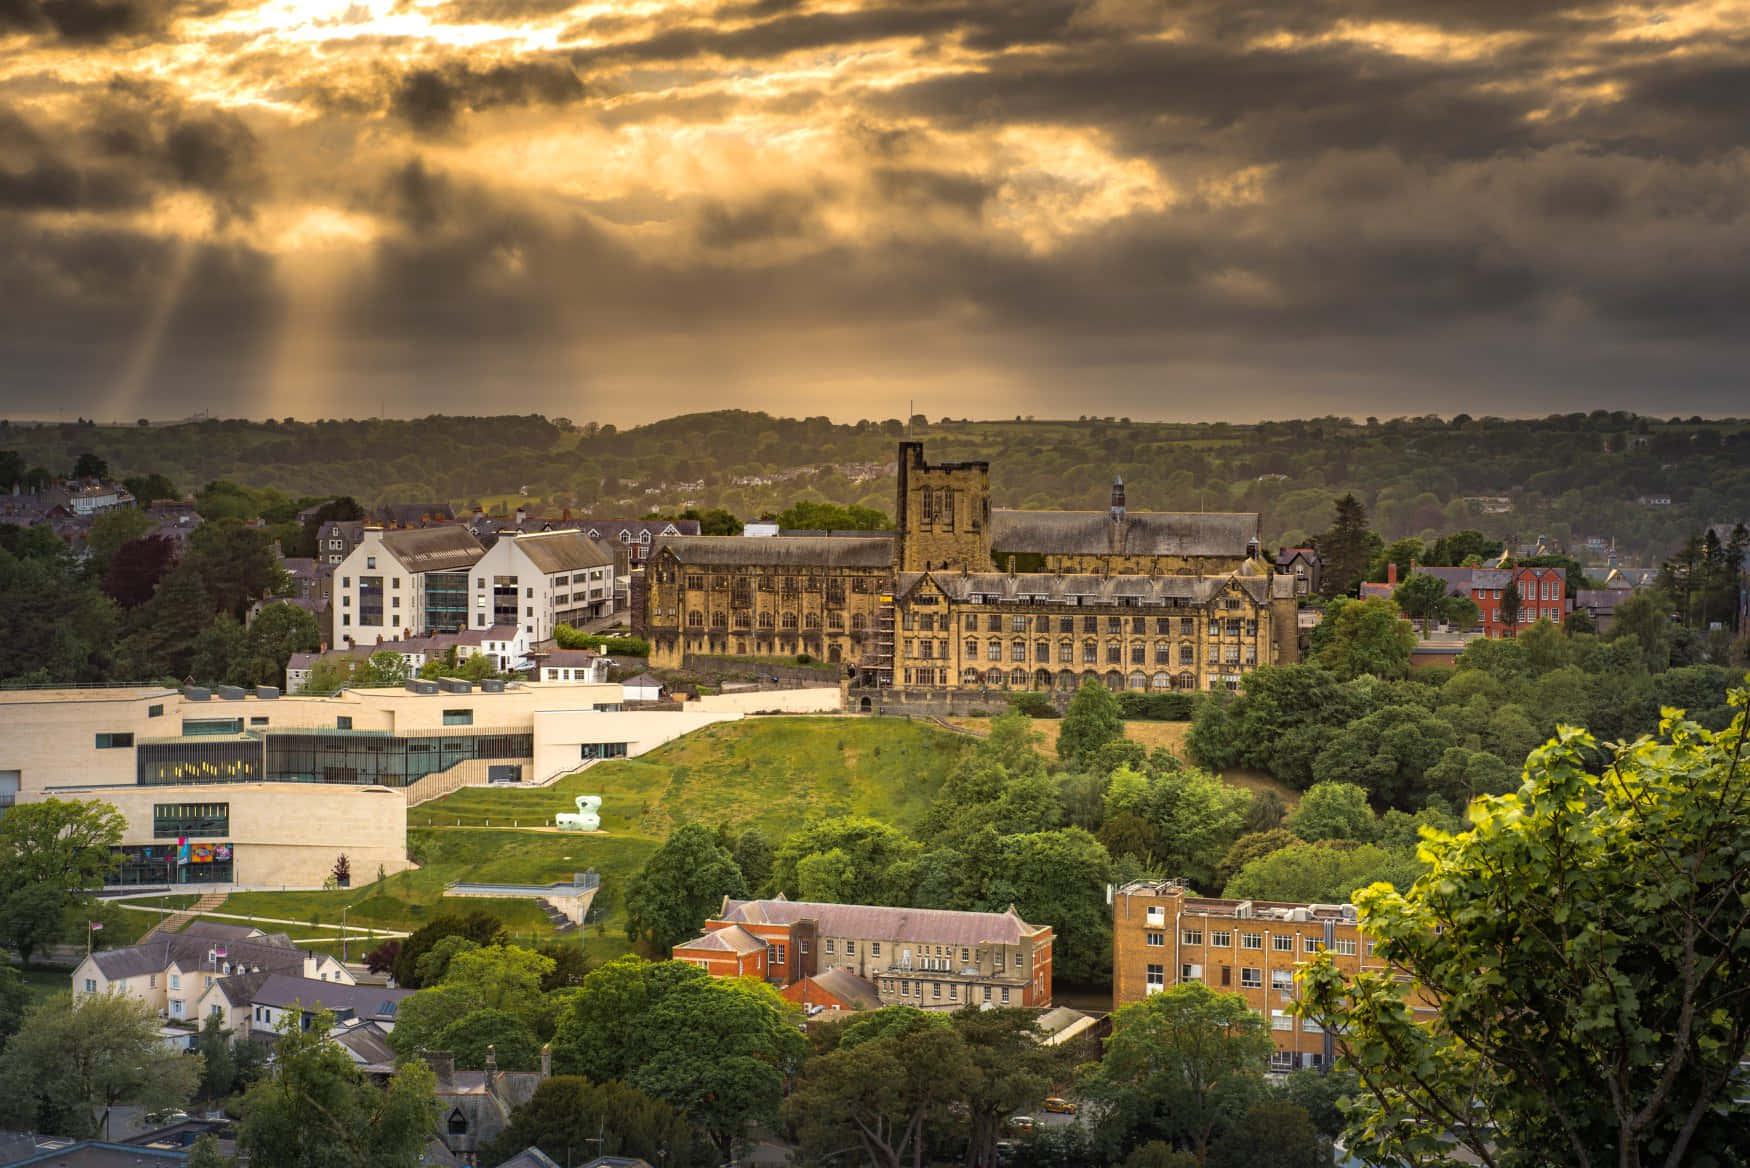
(773, 773)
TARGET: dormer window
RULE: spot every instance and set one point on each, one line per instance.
(458, 1123)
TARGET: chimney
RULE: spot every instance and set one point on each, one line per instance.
(1011, 565)
(491, 1069)
(1118, 496)
(442, 1064)
(1391, 572)
(546, 1060)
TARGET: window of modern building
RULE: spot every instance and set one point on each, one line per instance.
(1221, 938)
(603, 750)
(176, 820)
(1192, 936)
(114, 741)
(1155, 977)
(154, 711)
(1251, 978)
(1282, 942)
(342, 722)
(1312, 944)
(258, 720)
(1282, 979)
(1281, 1020)
(196, 727)
(1155, 938)
(1344, 945)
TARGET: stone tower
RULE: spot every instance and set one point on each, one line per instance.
(942, 514)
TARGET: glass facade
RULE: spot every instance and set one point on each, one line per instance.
(387, 760)
(169, 864)
(193, 727)
(504, 601)
(370, 600)
(176, 820)
(446, 601)
(360, 757)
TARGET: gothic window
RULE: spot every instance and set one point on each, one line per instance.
(719, 620)
(811, 621)
(1042, 650)
(1162, 680)
(1018, 678)
(765, 620)
(969, 677)
(1137, 681)
(835, 621)
(994, 678)
(858, 622)
(1138, 654)
(696, 620)
(789, 620)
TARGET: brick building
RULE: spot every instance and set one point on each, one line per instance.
(1134, 600)
(1163, 936)
(934, 959)
(1542, 593)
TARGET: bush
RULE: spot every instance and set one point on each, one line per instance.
(1034, 705)
(567, 637)
(1157, 707)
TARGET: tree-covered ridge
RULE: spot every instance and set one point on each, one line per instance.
(1566, 477)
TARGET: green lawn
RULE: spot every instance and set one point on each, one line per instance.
(43, 983)
(773, 773)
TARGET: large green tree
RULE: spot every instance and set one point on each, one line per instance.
(53, 854)
(316, 1109)
(1177, 1062)
(570, 1118)
(1368, 637)
(1584, 943)
(1344, 548)
(1014, 1069)
(1091, 721)
(719, 1050)
(1058, 878)
(680, 886)
(73, 1060)
(848, 860)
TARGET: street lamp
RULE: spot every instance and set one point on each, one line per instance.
(344, 935)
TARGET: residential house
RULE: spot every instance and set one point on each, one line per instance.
(541, 580)
(336, 538)
(1542, 593)
(1163, 936)
(930, 958)
(1303, 564)
(398, 584)
(92, 497)
(572, 665)
(474, 1106)
(833, 991)
(274, 996)
(643, 688)
(172, 972)
(1601, 604)
(415, 514)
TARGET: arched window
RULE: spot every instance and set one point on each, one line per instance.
(789, 620)
(858, 622)
(1137, 681)
(994, 678)
(1042, 679)
(744, 619)
(695, 620)
(1162, 680)
(1018, 678)
(969, 677)
(1066, 679)
(765, 620)
(1114, 681)
(835, 621)
(811, 621)
(719, 620)
(1187, 679)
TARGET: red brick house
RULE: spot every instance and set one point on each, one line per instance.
(1542, 593)
(929, 958)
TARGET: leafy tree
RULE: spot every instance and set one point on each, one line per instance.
(881, 1095)
(278, 631)
(149, 489)
(719, 1050)
(53, 853)
(1368, 638)
(228, 1063)
(236, 563)
(479, 927)
(163, 631)
(679, 887)
(1607, 910)
(1276, 1132)
(317, 1108)
(422, 1018)
(1644, 620)
(1323, 873)
(54, 627)
(513, 1043)
(109, 532)
(1159, 1154)
(1386, 753)
(1344, 548)
(137, 567)
(853, 860)
(1090, 723)
(1320, 1093)
(809, 516)
(382, 958)
(754, 854)
(1421, 597)
(217, 647)
(503, 977)
(1333, 811)
(14, 998)
(1178, 1059)
(382, 670)
(1509, 605)
(70, 1056)
(1058, 878)
(569, 1117)
(1013, 1069)
(1253, 846)
(90, 466)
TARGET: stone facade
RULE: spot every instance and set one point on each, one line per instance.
(1145, 601)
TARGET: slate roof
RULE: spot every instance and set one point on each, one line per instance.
(433, 549)
(530, 1158)
(876, 923)
(729, 940)
(219, 930)
(365, 1001)
(190, 952)
(856, 992)
(563, 551)
(407, 514)
(1139, 533)
(368, 1044)
(868, 550)
(1287, 556)
(1091, 589)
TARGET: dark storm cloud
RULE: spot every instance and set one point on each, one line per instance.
(430, 99)
(93, 21)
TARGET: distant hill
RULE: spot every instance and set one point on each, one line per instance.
(1567, 477)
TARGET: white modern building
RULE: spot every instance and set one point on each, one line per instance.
(540, 580)
(398, 584)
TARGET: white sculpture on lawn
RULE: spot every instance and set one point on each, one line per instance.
(588, 817)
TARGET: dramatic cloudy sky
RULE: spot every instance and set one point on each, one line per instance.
(621, 209)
